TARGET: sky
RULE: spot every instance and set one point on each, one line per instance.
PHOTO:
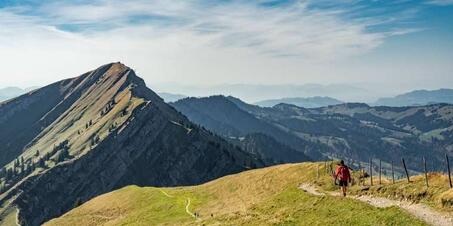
(387, 47)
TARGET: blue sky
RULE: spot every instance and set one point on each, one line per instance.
(388, 46)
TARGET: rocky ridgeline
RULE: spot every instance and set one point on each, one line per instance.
(118, 133)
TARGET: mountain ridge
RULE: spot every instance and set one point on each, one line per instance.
(355, 132)
(11, 92)
(418, 97)
(267, 196)
(104, 130)
(305, 102)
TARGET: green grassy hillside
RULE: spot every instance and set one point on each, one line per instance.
(258, 197)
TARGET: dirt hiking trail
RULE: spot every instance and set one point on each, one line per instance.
(420, 211)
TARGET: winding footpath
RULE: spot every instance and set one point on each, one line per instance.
(187, 205)
(420, 211)
(188, 210)
(166, 194)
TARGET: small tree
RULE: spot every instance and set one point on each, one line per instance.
(63, 155)
(29, 168)
(16, 163)
(22, 168)
(47, 156)
(9, 174)
(78, 202)
(32, 166)
(41, 163)
(124, 112)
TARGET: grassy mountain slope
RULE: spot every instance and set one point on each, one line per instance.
(269, 149)
(223, 116)
(103, 130)
(351, 131)
(267, 196)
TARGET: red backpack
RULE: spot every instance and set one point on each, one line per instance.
(343, 173)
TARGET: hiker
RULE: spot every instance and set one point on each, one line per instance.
(342, 173)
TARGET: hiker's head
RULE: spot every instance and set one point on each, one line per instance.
(342, 162)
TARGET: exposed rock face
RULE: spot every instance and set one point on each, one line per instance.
(117, 133)
(23, 118)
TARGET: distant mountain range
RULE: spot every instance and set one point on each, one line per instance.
(308, 102)
(414, 98)
(11, 92)
(352, 131)
(418, 97)
(254, 92)
(78, 138)
(170, 97)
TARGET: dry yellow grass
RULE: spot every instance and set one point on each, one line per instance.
(438, 194)
(257, 197)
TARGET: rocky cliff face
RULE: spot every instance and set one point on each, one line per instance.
(106, 130)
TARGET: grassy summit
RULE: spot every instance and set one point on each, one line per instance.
(257, 197)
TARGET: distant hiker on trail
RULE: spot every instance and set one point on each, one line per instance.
(342, 173)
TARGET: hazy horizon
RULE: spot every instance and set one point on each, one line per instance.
(385, 48)
(252, 93)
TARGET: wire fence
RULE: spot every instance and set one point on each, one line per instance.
(374, 170)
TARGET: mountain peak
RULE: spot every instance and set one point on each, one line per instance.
(109, 70)
(96, 132)
(117, 67)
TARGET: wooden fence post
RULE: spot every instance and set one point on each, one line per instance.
(325, 165)
(360, 174)
(426, 173)
(331, 169)
(405, 170)
(380, 170)
(448, 170)
(371, 171)
(317, 171)
(393, 174)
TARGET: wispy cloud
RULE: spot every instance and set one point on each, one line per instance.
(441, 2)
(232, 41)
(308, 29)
